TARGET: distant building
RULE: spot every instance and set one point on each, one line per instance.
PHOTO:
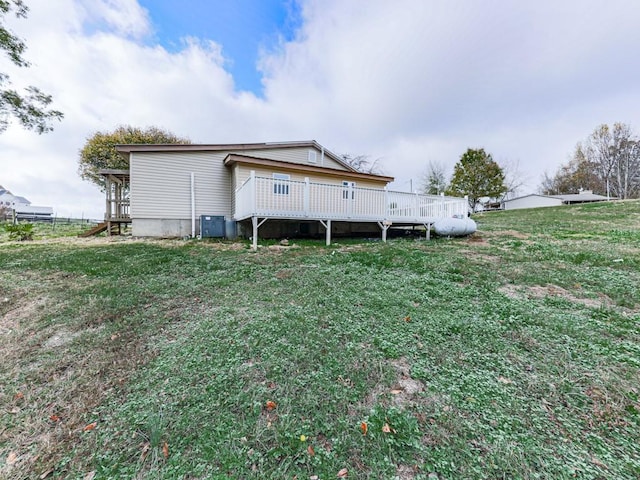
(536, 201)
(22, 208)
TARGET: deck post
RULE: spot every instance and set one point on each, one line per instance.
(428, 227)
(254, 238)
(255, 221)
(307, 195)
(384, 226)
(327, 227)
(252, 175)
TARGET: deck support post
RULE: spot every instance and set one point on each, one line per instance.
(384, 226)
(428, 227)
(327, 227)
(255, 221)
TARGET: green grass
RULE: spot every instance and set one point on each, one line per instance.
(59, 228)
(512, 354)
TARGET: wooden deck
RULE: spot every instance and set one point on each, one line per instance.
(263, 198)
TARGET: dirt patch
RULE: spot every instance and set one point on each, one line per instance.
(477, 239)
(406, 389)
(480, 256)
(404, 392)
(539, 291)
(60, 338)
(513, 233)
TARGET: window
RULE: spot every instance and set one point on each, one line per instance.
(281, 187)
(348, 187)
(312, 156)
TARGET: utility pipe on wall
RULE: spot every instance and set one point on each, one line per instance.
(193, 205)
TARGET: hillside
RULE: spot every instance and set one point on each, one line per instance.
(514, 353)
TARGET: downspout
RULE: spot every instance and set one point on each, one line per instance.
(193, 205)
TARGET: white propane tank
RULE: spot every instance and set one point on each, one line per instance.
(454, 227)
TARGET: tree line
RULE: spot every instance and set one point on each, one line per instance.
(607, 162)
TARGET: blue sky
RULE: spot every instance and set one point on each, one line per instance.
(244, 28)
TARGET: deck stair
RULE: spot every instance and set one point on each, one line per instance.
(101, 227)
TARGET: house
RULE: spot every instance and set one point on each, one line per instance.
(284, 188)
(21, 208)
(583, 196)
(535, 200)
(531, 201)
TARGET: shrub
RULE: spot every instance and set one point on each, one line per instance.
(19, 231)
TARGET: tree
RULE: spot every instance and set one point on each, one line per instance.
(434, 180)
(608, 162)
(362, 163)
(30, 109)
(577, 174)
(514, 179)
(477, 175)
(100, 150)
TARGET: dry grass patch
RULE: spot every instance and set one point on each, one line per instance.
(543, 291)
(54, 375)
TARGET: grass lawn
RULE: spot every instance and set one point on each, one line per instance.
(514, 353)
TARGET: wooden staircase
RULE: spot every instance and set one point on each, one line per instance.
(101, 227)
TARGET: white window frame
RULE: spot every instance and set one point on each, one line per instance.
(312, 156)
(281, 188)
(348, 187)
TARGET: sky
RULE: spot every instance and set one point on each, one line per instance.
(407, 82)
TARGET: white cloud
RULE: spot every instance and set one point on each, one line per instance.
(406, 81)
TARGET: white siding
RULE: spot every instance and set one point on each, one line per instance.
(161, 184)
(532, 201)
(293, 155)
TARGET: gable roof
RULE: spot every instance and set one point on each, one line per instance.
(192, 147)
(234, 158)
(582, 197)
(532, 195)
(21, 200)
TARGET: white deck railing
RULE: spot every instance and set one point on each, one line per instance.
(272, 198)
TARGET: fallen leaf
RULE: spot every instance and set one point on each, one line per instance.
(407, 318)
(311, 451)
(387, 429)
(271, 405)
(19, 396)
(598, 463)
(90, 476)
(12, 458)
(343, 473)
(396, 392)
(54, 418)
(15, 410)
(165, 450)
(504, 380)
(364, 427)
(90, 427)
(145, 451)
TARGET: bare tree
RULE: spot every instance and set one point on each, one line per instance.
(4, 212)
(514, 179)
(626, 153)
(615, 153)
(575, 175)
(362, 163)
(434, 179)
